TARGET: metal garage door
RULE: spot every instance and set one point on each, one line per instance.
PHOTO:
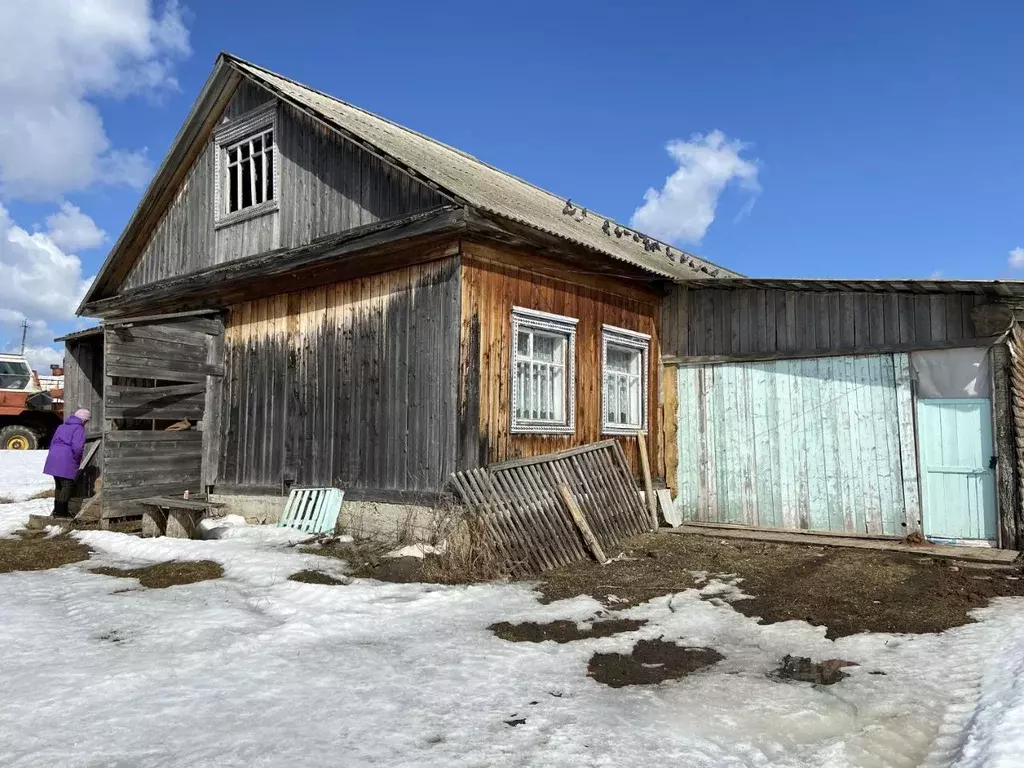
(822, 444)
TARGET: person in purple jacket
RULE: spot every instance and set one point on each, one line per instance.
(64, 457)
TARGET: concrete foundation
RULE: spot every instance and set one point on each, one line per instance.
(391, 523)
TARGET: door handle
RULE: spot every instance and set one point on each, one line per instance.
(992, 462)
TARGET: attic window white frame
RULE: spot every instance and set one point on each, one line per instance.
(633, 340)
(524, 319)
(249, 125)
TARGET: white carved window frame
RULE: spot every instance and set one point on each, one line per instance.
(257, 121)
(532, 319)
(622, 337)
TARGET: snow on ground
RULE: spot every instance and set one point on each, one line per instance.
(21, 474)
(252, 669)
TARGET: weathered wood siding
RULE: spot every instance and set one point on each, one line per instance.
(493, 281)
(83, 377)
(184, 239)
(83, 388)
(725, 324)
(822, 444)
(327, 184)
(351, 384)
(156, 374)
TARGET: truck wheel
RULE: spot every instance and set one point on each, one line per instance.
(15, 438)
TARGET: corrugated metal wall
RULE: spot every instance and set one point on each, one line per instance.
(353, 383)
(822, 444)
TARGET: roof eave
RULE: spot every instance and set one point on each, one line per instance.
(187, 134)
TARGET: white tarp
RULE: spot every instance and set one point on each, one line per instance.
(952, 373)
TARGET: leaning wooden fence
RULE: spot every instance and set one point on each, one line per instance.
(522, 512)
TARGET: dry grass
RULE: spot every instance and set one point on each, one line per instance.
(171, 574)
(6, 500)
(468, 556)
(315, 577)
(33, 551)
(49, 493)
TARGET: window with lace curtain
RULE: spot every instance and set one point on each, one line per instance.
(543, 372)
(625, 373)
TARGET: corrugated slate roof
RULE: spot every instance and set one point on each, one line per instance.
(484, 187)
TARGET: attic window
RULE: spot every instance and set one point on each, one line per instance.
(248, 166)
(250, 171)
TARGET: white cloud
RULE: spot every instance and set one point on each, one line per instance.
(1016, 260)
(41, 358)
(73, 230)
(57, 55)
(684, 208)
(39, 282)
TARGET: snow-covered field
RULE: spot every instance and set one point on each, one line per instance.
(254, 670)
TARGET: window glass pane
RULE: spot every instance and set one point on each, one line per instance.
(523, 389)
(246, 185)
(558, 398)
(270, 174)
(257, 144)
(634, 402)
(258, 171)
(622, 359)
(232, 155)
(544, 347)
(524, 344)
(243, 150)
(233, 188)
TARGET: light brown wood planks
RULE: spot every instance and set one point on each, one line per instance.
(496, 279)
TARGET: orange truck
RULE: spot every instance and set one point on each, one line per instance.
(28, 413)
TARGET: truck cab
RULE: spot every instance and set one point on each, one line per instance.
(28, 415)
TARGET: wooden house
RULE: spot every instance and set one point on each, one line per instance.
(334, 299)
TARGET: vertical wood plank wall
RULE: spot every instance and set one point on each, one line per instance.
(491, 286)
(327, 185)
(352, 383)
(701, 322)
(83, 388)
(83, 377)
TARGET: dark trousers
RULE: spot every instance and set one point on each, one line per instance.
(62, 496)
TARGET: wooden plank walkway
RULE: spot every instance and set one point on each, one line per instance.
(851, 541)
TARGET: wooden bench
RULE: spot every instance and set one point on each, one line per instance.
(177, 518)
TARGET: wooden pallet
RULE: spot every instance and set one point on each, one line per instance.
(527, 519)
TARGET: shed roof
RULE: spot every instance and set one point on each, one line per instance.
(467, 179)
(95, 330)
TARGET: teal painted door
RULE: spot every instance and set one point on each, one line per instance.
(957, 482)
(818, 444)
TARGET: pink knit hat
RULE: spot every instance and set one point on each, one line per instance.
(84, 414)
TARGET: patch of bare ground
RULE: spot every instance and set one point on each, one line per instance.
(650, 662)
(803, 670)
(315, 577)
(562, 631)
(846, 590)
(169, 574)
(33, 551)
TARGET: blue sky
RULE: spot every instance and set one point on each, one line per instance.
(869, 140)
